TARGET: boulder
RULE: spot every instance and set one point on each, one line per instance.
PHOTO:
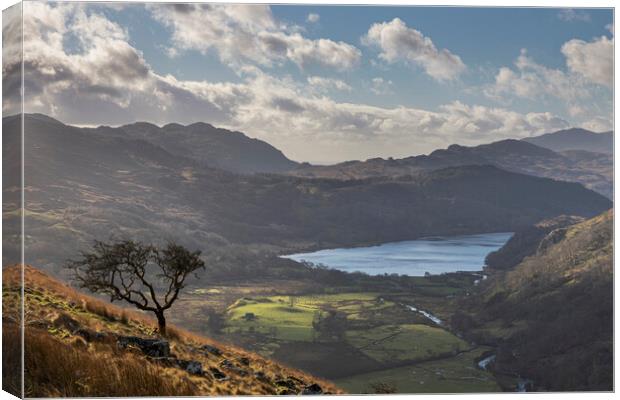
(217, 374)
(191, 366)
(289, 384)
(230, 366)
(312, 389)
(150, 347)
(260, 375)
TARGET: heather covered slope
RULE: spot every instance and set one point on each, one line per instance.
(83, 185)
(551, 315)
(77, 346)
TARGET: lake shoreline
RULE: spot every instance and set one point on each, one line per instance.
(432, 255)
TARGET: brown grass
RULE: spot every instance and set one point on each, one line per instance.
(56, 369)
(11, 359)
(60, 364)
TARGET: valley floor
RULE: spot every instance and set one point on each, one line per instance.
(365, 341)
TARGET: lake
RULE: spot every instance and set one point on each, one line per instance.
(434, 255)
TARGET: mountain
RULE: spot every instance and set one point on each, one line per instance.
(551, 315)
(80, 346)
(593, 170)
(208, 145)
(576, 139)
(85, 184)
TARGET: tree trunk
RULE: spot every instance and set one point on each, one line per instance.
(161, 322)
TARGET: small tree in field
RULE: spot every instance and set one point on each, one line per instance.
(145, 276)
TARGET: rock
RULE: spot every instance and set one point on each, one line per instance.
(207, 348)
(150, 347)
(260, 375)
(217, 374)
(286, 383)
(191, 366)
(313, 389)
(230, 366)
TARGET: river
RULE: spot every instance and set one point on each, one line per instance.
(434, 255)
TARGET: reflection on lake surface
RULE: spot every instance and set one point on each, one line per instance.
(413, 257)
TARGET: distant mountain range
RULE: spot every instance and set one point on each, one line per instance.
(576, 139)
(84, 184)
(593, 170)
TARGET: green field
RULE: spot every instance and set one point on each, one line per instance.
(406, 342)
(381, 330)
(375, 339)
(450, 375)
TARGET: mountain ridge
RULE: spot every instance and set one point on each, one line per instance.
(83, 186)
(575, 139)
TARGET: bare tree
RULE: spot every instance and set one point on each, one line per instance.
(145, 276)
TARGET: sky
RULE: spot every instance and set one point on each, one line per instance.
(321, 83)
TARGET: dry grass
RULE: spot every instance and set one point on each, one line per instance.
(60, 363)
(56, 369)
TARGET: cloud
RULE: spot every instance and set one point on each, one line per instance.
(249, 33)
(313, 18)
(572, 15)
(381, 86)
(593, 60)
(321, 84)
(598, 124)
(107, 81)
(531, 80)
(397, 42)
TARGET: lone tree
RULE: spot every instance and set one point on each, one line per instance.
(148, 277)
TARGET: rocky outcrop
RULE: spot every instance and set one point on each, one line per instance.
(150, 347)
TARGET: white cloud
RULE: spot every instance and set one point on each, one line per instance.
(571, 15)
(593, 60)
(531, 80)
(108, 82)
(313, 18)
(598, 124)
(397, 42)
(380, 86)
(249, 33)
(322, 84)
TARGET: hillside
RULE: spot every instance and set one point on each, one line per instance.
(551, 315)
(208, 145)
(82, 185)
(576, 139)
(593, 170)
(79, 346)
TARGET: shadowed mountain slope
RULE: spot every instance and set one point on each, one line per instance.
(551, 315)
(209, 146)
(82, 184)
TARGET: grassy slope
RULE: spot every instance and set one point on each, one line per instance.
(552, 315)
(60, 363)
